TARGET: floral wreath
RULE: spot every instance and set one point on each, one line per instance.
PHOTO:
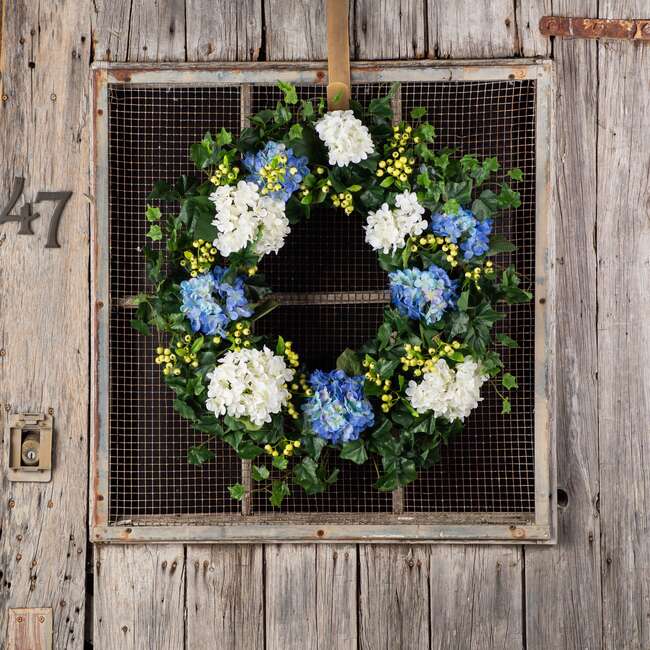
(396, 401)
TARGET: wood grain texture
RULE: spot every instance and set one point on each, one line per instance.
(623, 241)
(291, 617)
(472, 29)
(225, 597)
(110, 29)
(336, 596)
(296, 30)
(44, 308)
(563, 583)
(30, 629)
(394, 597)
(529, 39)
(139, 597)
(311, 597)
(476, 596)
(157, 30)
(229, 30)
(389, 29)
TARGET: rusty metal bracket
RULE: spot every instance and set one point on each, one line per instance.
(634, 29)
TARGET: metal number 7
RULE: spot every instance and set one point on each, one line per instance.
(53, 230)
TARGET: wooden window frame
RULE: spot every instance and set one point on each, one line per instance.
(402, 527)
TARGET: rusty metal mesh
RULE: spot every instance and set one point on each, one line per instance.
(335, 292)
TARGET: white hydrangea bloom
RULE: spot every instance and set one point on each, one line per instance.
(249, 383)
(387, 230)
(347, 139)
(450, 394)
(243, 216)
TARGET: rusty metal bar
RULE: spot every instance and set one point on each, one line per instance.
(633, 29)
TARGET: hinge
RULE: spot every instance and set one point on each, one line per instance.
(633, 29)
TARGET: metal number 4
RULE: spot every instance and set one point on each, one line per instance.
(25, 217)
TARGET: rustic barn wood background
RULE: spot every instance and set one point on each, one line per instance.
(590, 591)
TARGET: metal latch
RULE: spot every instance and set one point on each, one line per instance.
(636, 29)
(30, 447)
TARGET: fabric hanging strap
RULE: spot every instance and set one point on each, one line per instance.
(338, 55)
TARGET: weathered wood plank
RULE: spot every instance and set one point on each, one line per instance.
(110, 29)
(44, 308)
(394, 597)
(311, 597)
(296, 30)
(529, 39)
(563, 583)
(139, 597)
(472, 29)
(623, 245)
(30, 629)
(225, 597)
(229, 30)
(389, 29)
(336, 596)
(476, 596)
(157, 30)
(291, 617)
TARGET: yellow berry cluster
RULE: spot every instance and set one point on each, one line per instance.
(423, 361)
(479, 271)
(202, 261)
(372, 374)
(224, 173)
(289, 446)
(303, 387)
(396, 165)
(167, 357)
(292, 357)
(184, 351)
(239, 337)
(275, 172)
(343, 200)
(402, 134)
(252, 271)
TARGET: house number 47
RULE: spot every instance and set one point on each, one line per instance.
(26, 215)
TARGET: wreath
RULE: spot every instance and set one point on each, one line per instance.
(429, 216)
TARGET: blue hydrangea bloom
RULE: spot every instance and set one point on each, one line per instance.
(211, 304)
(276, 170)
(338, 411)
(423, 295)
(474, 235)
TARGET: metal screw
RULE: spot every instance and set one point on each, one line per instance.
(53, 97)
(5, 98)
(3, 352)
(50, 411)
(12, 503)
(41, 619)
(19, 619)
(646, 29)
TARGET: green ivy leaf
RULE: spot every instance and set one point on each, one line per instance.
(260, 473)
(199, 455)
(355, 451)
(506, 407)
(451, 207)
(516, 174)
(295, 132)
(463, 301)
(237, 491)
(289, 92)
(349, 362)
(504, 339)
(279, 490)
(509, 381)
(418, 112)
(500, 245)
(280, 462)
(153, 213)
(140, 327)
(155, 233)
(184, 409)
(223, 138)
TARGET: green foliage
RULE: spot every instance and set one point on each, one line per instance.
(402, 441)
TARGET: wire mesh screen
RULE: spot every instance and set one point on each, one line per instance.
(333, 294)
